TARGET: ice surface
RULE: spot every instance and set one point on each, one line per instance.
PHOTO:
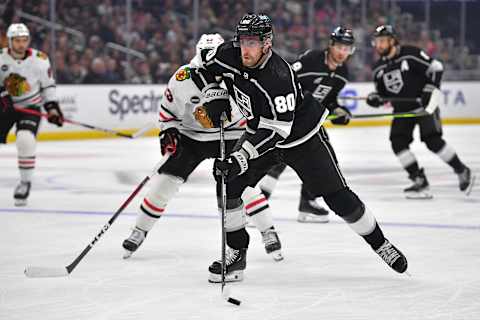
(328, 273)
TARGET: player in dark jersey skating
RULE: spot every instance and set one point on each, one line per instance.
(408, 72)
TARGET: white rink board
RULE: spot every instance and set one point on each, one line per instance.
(132, 106)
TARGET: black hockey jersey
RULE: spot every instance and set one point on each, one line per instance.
(316, 77)
(269, 97)
(406, 75)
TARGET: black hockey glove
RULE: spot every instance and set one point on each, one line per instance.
(170, 142)
(55, 115)
(233, 166)
(6, 102)
(215, 102)
(374, 100)
(343, 115)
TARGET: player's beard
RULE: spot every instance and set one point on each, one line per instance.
(19, 53)
(386, 52)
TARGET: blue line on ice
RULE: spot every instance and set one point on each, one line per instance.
(214, 216)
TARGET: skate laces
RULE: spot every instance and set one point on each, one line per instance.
(388, 253)
(269, 237)
(137, 236)
(231, 255)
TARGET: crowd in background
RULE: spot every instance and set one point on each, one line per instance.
(163, 32)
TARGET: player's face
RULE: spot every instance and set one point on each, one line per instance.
(340, 52)
(383, 45)
(20, 45)
(251, 48)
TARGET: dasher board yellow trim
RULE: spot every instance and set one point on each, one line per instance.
(91, 134)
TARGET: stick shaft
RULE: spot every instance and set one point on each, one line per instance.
(392, 99)
(86, 125)
(224, 200)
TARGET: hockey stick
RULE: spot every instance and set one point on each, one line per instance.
(392, 99)
(224, 199)
(48, 272)
(44, 115)
(225, 292)
(384, 115)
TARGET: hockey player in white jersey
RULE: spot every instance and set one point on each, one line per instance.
(26, 81)
(189, 144)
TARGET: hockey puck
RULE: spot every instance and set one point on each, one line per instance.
(234, 301)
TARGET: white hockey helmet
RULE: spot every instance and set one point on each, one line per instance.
(17, 30)
(206, 41)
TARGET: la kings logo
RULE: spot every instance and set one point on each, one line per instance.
(321, 91)
(243, 103)
(393, 81)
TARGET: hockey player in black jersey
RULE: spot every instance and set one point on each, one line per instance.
(323, 73)
(408, 72)
(282, 126)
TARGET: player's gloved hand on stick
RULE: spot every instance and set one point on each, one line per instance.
(233, 166)
(54, 114)
(374, 100)
(6, 102)
(215, 102)
(343, 115)
(170, 142)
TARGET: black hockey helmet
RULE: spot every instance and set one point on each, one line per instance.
(385, 30)
(342, 35)
(255, 25)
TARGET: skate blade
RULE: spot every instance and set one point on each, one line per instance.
(305, 217)
(127, 254)
(20, 202)
(470, 186)
(234, 276)
(276, 255)
(418, 195)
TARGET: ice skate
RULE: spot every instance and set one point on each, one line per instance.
(132, 243)
(311, 212)
(466, 180)
(392, 256)
(21, 193)
(236, 262)
(420, 188)
(272, 244)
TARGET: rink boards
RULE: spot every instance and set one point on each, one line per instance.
(130, 107)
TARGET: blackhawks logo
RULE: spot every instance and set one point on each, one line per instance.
(183, 74)
(42, 55)
(16, 85)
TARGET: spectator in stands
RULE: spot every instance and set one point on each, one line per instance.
(97, 73)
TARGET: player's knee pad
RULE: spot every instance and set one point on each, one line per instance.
(434, 143)
(163, 188)
(26, 143)
(347, 205)
(399, 144)
(234, 216)
(344, 202)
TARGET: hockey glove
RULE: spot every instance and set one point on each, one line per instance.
(374, 100)
(233, 166)
(343, 115)
(215, 102)
(6, 102)
(170, 142)
(431, 97)
(54, 114)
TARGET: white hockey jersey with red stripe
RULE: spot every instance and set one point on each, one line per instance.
(30, 80)
(179, 101)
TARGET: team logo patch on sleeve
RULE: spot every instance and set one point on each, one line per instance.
(183, 74)
(16, 85)
(42, 55)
